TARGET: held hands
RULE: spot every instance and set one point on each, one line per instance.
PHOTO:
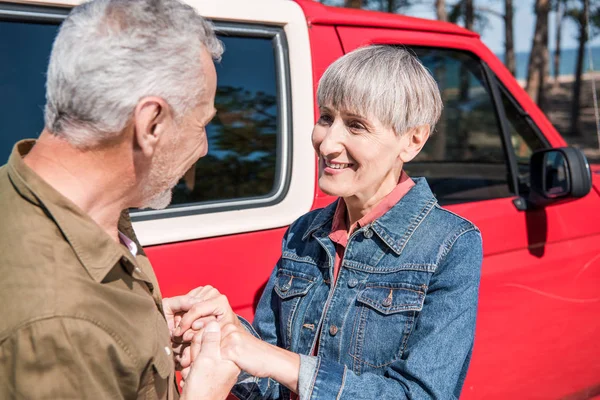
(189, 317)
(210, 376)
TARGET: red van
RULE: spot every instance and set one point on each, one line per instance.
(538, 331)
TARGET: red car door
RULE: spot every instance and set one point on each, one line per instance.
(537, 329)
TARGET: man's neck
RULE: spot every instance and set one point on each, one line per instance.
(94, 180)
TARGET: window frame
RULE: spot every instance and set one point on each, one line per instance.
(296, 197)
(284, 131)
(495, 87)
(12, 12)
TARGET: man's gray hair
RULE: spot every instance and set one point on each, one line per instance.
(383, 81)
(109, 54)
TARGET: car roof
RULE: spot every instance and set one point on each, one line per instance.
(319, 14)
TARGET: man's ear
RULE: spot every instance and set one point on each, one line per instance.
(414, 141)
(151, 117)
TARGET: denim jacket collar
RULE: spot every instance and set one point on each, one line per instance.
(396, 226)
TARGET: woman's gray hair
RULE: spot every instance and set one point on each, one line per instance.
(109, 54)
(383, 81)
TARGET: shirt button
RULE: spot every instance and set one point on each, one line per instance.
(368, 233)
(333, 330)
(352, 283)
(168, 350)
(138, 270)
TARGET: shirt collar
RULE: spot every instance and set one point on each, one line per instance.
(395, 226)
(95, 249)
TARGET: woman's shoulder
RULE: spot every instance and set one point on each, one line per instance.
(452, 221)
(310, 222)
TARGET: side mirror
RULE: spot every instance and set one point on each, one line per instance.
(557, 175)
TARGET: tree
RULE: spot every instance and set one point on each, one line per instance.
(537, 70)
(440, 10)
(469, 15)
(580, 16)
(508, 18)
(353, 3)
(559, 9)
(509, 47)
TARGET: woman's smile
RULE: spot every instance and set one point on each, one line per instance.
(335, 167)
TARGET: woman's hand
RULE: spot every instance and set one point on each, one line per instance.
(259, 358)
(249, 353)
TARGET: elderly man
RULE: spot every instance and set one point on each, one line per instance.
(130, 89)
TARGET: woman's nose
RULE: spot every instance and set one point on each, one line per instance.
(332, 141)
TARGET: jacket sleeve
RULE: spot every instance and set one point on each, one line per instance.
(438, 352)
(65, 358)
(265, 327)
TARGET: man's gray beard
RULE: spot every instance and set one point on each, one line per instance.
(160, 201)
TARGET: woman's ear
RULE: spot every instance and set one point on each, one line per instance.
(151, 117)
(414, 140)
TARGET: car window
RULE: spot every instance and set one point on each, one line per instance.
(22, 80)
(464, 160)
(243, 161)
(243, 137)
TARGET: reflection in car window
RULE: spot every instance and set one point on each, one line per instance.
(242, 138)
(523, 136)
(22, 80)
(464, 159)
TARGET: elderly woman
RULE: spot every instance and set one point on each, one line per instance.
(375, 296)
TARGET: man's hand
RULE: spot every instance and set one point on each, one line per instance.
(174, 309)
(210, 377)
(203, 311)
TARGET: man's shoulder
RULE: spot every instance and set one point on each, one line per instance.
(35, 260)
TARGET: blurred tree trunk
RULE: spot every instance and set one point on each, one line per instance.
(391, 6)
(353, 3)
(463, 130)
(583, 37)
(469, 15)
(509, 47)
(560, 12)
(538, 58)
(439, 139)
(440, 10)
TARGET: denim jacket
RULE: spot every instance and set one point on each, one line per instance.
(399, 322)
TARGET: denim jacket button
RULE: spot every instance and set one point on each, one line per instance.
(368, 233)
(286, 287)
(352, 283)
(333, 330)
(387, 302)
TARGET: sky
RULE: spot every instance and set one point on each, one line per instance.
(493, 32)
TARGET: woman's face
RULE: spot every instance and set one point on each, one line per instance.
(358, 156)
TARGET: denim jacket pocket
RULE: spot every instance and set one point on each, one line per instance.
(291, 287)
(385, 316)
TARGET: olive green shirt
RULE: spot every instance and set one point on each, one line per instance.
(80, 316)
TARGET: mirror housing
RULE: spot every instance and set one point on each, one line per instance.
(558, 174)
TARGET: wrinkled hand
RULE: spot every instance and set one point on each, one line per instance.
(174, 309)
(210, 376)
(204, 311)
(251, 354)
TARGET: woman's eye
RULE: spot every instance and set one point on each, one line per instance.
(355, 125)
(325, 119)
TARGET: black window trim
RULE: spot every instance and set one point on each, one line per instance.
(522, 113)
(509, 150)
(45, 14)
